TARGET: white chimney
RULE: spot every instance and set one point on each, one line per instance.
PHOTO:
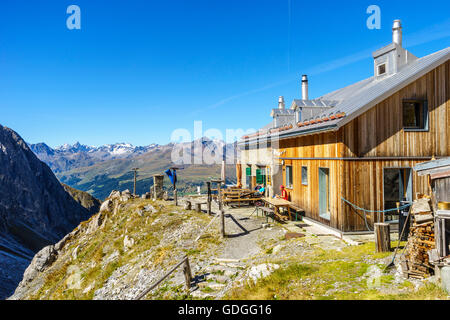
(305, 87)
(397, 32)
(281, 103)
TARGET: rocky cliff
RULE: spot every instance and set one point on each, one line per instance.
(35, 210)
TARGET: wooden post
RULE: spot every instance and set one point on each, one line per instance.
(222, 213)
(209, 199)
(219, 196)
(175, 197)
(135, 173)
(198, 207)
(382, 237)
(187, 274)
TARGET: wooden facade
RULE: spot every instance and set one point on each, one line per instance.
(358, 153)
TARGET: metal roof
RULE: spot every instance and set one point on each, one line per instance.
(429, 166)
(315, 103)
(357, 98)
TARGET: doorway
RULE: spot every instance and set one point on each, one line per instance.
(397, 185)
(324, 193)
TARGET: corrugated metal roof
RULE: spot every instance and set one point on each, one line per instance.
(372, 92)
(315, 103)
(354, 100)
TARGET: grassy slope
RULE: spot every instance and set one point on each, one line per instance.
(331, 274)
(150, 251)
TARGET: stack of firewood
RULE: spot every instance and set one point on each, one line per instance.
(420, 240)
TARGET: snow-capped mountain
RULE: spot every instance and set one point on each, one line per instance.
(67, 157)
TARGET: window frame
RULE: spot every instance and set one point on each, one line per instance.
(289, 177)
(425, 115)
(384, 64)
(304, 175)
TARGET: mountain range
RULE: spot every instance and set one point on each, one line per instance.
(99, 170)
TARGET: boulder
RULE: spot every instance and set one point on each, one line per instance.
(261, 271)
(150, 208)
(128, 242)
(96, 222)
(42, 260)
(126, 195)
(107, 206)
(146, 195)
(114, 195)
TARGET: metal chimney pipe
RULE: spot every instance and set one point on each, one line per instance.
(281, 103)
(305, 87)
(397, 32)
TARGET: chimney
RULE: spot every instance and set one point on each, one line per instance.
(397, 32)
(304, 87)
(281, 103)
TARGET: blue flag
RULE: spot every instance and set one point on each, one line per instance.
(172, 175)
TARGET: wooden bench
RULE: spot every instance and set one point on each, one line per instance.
(297, 209)
(239, 200)
(197, 204)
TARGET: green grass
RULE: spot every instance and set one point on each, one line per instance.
(334, 275)
(147, 231)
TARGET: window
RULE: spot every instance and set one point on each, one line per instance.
(415, 115)
(248, 176)
(324, 193)
(261, 176)
(289, 176)
(305, 176)
(381, 69)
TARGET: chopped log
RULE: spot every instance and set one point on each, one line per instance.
(382, 237)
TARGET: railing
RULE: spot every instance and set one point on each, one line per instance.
(187, 275)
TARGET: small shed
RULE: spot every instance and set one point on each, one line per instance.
(439, 178)
(438, 172)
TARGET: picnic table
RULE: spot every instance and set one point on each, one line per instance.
(278, 203)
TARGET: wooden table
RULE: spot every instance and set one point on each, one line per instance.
(279, 203)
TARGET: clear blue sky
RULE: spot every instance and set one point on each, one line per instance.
(139, 69)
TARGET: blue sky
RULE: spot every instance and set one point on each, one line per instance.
(137, 70)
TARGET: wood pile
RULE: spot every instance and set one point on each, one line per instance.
(416, 262)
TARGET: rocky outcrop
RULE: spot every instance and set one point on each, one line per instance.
(84, 199)
(35, 210)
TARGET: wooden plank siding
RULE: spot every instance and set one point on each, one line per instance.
(355, 172)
